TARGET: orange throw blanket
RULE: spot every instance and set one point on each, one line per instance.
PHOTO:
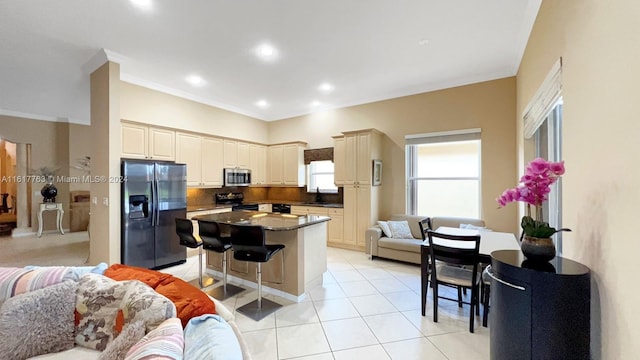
(189, 300)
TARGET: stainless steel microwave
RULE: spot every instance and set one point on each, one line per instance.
(237, 177)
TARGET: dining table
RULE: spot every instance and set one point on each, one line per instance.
(489, 240)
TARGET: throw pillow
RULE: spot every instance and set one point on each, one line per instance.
(164, 342)
(400, 229)
(38, 322)
(97, 304)
(474, 227)
(15, 281)
(118, 348)
(188, 299)
(385, 228)
(210, 337)
(104, 306)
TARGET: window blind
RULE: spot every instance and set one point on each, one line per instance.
(443, 136)
(543, 101)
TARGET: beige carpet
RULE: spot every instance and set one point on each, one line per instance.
(71, 249)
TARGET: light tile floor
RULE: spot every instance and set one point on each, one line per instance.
(364, 310)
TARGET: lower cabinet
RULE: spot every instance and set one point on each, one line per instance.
(336, 227)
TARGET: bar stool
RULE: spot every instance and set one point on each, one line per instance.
(248, 243)
(184, 229)
(212, 240)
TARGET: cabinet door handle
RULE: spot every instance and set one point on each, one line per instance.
(490, 273)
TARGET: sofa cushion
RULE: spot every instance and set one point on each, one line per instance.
(210, 337)
(188, 299)
(413, 221)
(411, 245)
(455, 222)
(104, 306)
(164, 342)
(386, 231)
(400, 229)
(38, 322)
(15, 281)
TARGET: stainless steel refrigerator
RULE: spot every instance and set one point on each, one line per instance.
(154, 193)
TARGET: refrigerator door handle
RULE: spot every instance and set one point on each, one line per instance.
(154, 206)
(490, 273)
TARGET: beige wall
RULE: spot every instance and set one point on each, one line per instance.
(49, 147)
(153, 107)
(80, 145)
(599, 42)
(488, 105)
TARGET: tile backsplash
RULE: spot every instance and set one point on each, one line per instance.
(256, 194)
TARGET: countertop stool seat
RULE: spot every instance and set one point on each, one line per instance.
(212, 240)
(249, 244)
(184, 229)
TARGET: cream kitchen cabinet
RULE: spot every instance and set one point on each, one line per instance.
(335, 229)
(359, 214)
(354, 153)
(236, 154)
(354, 157)
(147, 142)
(203, 158)
(285, 163)
(258, 164)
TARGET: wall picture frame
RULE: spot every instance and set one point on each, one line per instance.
(376, 179)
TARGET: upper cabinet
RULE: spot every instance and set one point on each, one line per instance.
(258, 164)
(353, 156)
(147, 142)
(203, 156)
(285, 164)
(236, 154)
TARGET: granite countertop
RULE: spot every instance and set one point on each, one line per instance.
(207, 207)
(299, 203)
(270, 221)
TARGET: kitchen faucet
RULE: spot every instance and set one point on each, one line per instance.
(318, 195)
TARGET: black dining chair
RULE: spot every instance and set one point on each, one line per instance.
(425, 224)
(249, 244)
(450, 253)
(212, 240)
(184, 230)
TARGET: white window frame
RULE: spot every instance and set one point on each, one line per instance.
(311, 183)
(433, 138)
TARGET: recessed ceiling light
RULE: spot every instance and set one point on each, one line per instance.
(266, 52)
(143, 4)
(195, 80)
(262, 103)
(315, 103)
(326, 88)
(423, 41)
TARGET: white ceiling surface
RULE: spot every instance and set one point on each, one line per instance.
(369, 50)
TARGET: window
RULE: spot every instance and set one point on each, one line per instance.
(320, 174)
(443, 173)
(548, 145)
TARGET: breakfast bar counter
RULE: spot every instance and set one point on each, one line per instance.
(290, 273)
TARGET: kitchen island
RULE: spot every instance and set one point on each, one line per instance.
(290, 273)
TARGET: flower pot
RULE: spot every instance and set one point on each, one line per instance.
(538, 249)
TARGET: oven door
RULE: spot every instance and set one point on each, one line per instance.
(237, 177)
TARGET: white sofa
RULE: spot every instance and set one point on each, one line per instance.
(81, 353)
(38, 306)
(407, 249)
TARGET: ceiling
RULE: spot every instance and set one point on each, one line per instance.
(367, 50)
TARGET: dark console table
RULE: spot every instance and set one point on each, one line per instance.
(539, 311)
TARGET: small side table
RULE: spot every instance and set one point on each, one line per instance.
(51, 207)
